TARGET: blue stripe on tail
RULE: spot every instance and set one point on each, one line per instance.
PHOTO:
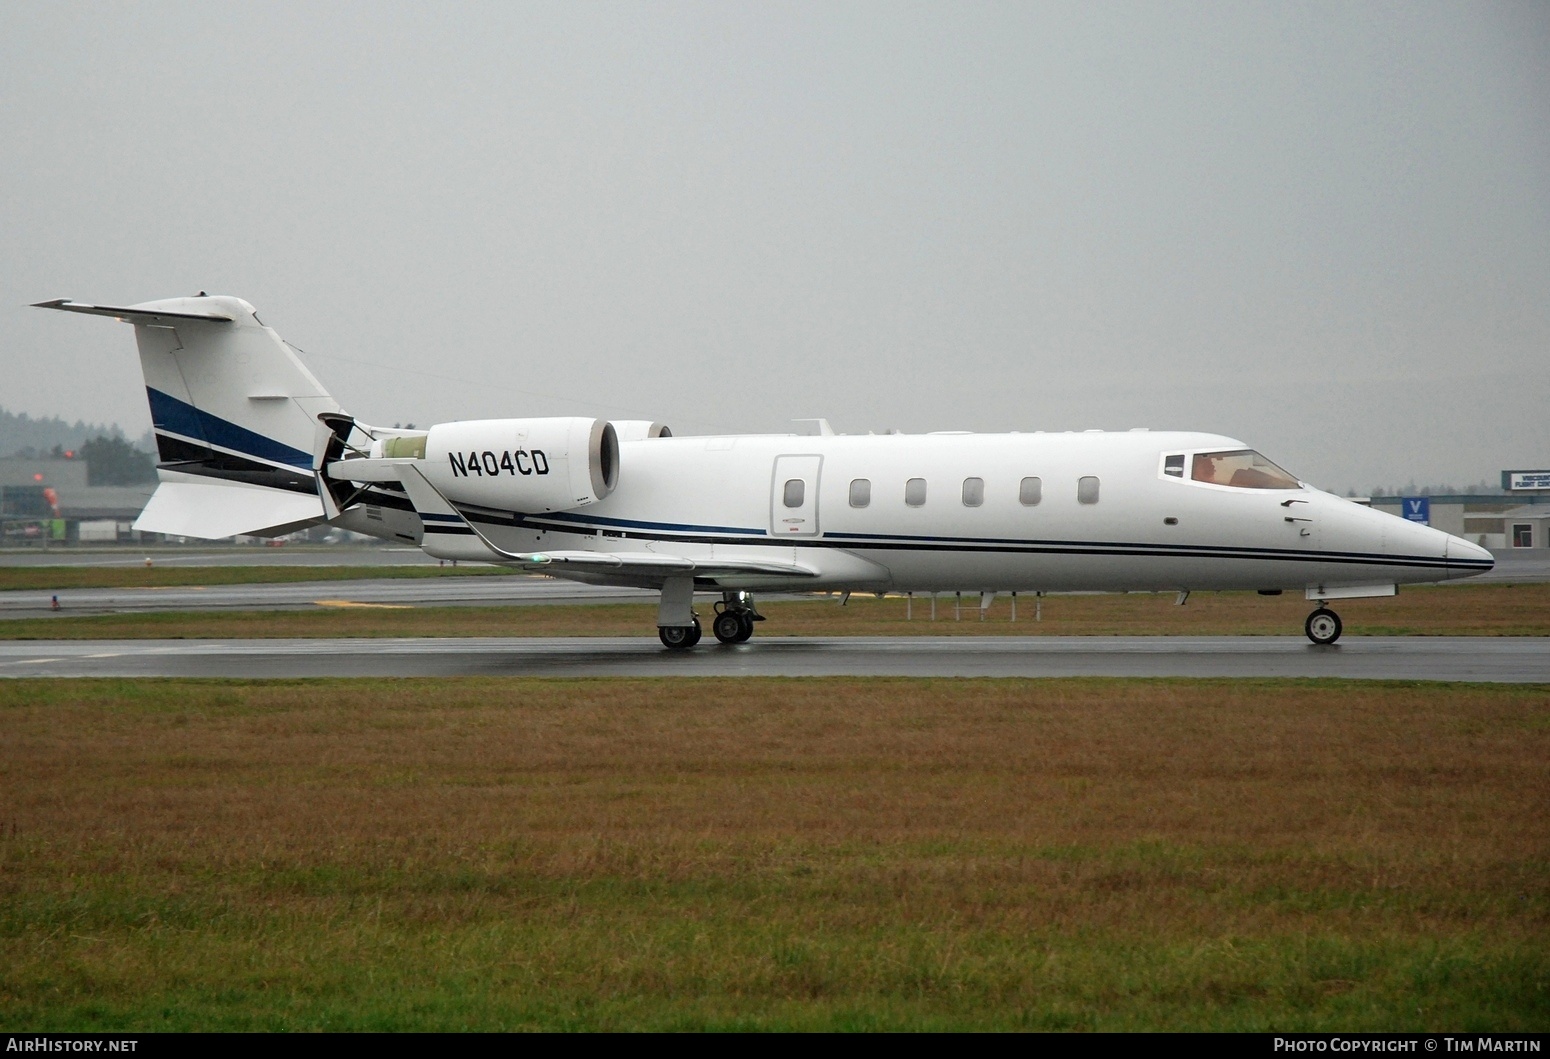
(180, 417)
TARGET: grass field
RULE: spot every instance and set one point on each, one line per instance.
(798, 854)
(1449, 610)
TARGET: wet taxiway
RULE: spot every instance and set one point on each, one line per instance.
(381, 592)
(1514, 660)
(121, 555)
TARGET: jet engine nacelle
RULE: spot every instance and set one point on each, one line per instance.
(524, 465)
(640, 429)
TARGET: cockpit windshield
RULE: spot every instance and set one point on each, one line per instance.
(1243, 468)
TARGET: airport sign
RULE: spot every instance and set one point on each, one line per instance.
(1520, 480)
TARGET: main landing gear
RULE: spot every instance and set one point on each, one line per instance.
(1323, 626)
(733, 623)
(735, 615)
(680, 637)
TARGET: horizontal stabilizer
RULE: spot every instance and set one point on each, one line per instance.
(131, 314)
(216, 510)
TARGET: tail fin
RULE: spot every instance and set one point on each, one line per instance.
(235, 414)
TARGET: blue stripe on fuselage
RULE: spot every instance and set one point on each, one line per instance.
(589, 522)
(862, 542)
(180, 417)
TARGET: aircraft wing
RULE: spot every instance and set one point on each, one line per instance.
(437, 511)
(645, 563)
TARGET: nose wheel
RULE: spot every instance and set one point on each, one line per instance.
(1323, 626)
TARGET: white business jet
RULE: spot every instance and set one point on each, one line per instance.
(251, 443)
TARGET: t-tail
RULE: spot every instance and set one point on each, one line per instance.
(235, 413)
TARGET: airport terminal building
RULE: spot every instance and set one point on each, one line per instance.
(47, 499)
(1516, 518)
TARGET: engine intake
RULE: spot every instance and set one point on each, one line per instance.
(640, 429)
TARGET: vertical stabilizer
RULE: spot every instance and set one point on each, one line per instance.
(233, 408)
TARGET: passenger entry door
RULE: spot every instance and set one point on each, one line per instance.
(794, 496)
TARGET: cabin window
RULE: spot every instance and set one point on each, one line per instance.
(915, 492)
(1174, 465)
(796, 489)
(1030, 492)
(973, 492)
(1243, 468)
(1087, 489)
(860, 492)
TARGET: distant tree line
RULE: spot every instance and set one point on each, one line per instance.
(113, 461)
(22, 435)
(1412, 489)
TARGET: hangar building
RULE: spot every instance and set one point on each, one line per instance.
(48, 499)
(1516, 518)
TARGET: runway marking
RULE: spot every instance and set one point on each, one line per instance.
(369, 606)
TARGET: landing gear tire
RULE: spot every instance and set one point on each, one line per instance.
(728, 627)
(679, 637)
(1323, 627)
(733, 626)
(735, 615)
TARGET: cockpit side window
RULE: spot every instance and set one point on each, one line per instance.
(1241, 468)
(1173, 466)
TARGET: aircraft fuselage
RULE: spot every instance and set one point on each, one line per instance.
(958, 512)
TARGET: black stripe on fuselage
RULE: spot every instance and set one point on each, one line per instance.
(882, 542)
(189, 457)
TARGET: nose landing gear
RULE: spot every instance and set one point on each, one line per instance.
(735, 615)
(1323, 626)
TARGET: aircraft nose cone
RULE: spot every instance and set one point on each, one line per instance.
(1472, 558)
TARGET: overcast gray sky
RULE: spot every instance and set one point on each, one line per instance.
(1322, 228)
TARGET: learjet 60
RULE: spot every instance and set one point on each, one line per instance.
(251, 443)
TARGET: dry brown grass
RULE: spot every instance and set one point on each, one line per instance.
(1463, 610)
(775, 852)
